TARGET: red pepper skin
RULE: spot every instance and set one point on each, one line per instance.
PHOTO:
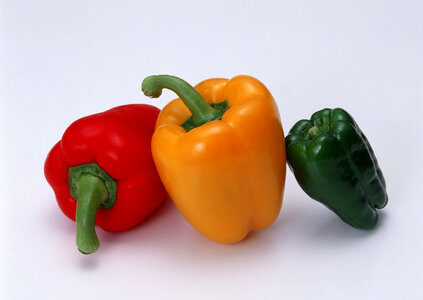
(118, 140)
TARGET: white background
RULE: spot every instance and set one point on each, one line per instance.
(62, 60)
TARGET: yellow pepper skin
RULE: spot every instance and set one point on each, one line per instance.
(226, 176)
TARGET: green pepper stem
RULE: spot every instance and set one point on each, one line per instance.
(91, 193)
(201, 111)
(314, 131)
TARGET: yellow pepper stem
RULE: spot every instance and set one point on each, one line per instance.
(202, 112)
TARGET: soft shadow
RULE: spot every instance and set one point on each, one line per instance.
(88, 262)
(154, 227)
(261, 242)
(383, 216)
(330, 229)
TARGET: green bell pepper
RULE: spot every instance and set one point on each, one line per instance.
(334, 164)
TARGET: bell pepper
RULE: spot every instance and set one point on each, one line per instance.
(102, 172)
(219, 150)
(334, 164)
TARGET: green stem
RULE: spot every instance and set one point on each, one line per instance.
(92, 192)
(201, 111)
(314, 131)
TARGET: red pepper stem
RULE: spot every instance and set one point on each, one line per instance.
(201, 111)
(92, 192)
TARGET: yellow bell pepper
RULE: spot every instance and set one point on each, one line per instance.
(222, 164)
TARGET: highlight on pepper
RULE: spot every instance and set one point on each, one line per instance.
(220, 151)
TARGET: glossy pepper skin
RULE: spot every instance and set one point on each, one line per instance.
(334, 164)
(106, 160)
(227, 174)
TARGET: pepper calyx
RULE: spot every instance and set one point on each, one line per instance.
(95, 170)
(222, 107)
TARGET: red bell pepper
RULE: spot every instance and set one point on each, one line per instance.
(102, 172)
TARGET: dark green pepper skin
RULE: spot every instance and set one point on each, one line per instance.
(334, 164)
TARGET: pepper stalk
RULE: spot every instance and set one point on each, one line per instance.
(201, 111)
(93, 188)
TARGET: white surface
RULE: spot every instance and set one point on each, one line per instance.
(61, 61)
